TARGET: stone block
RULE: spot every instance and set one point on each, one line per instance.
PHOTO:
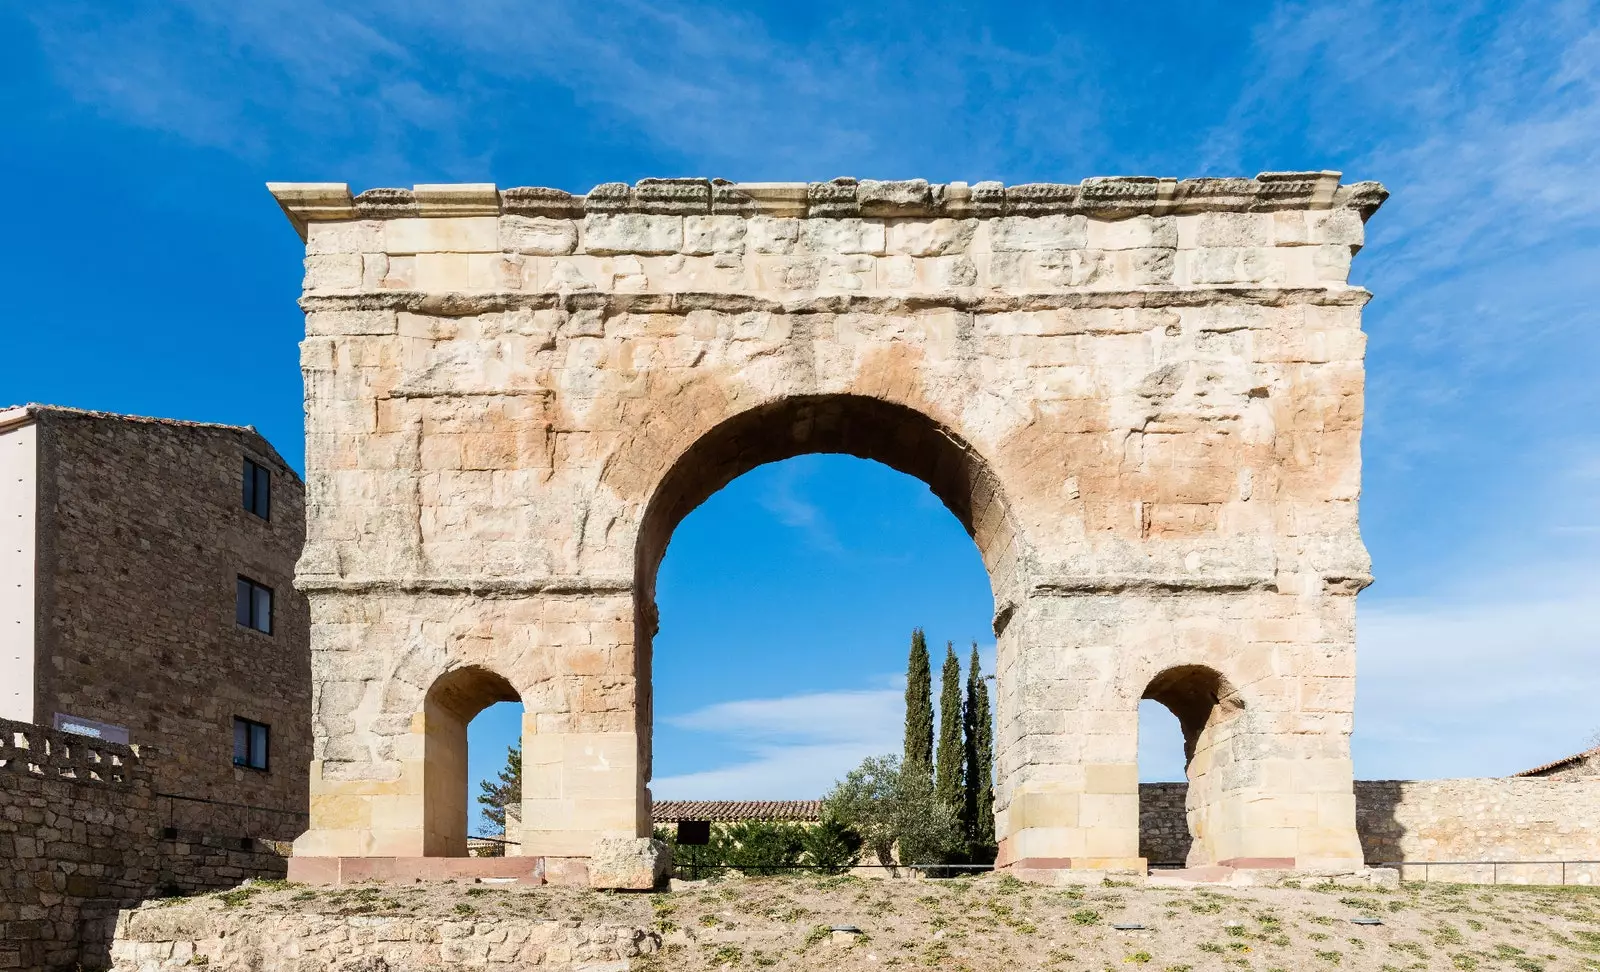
(629, 863)
(1018, 233)
(537, 235)
(442, 234)
(610, 233)
(706, 235)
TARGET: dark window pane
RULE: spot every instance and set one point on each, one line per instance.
(241, 602)
(258, 745)
(257, 489)
(241, 742)
(263, 493)
(261, 613)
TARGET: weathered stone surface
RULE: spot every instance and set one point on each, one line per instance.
(629, 863)
(537, 235)
(632, 233)
(298, 937)
(537, 201)
(910, 197)
(1141, 396)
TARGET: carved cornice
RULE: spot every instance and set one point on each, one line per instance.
(977, 302)
(475, 586)
(1076, 585)
(1117, 197)
(1091, 584)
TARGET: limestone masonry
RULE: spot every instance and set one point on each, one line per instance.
(1142, 397)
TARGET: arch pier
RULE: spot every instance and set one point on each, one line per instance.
(1142, 398)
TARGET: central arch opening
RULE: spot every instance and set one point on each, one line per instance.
(800, 471)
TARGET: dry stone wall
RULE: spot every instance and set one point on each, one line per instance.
(1429, 827)
(1483, 820)
(155, 939)
(1164, 836)
(1142, 397)
(82, 834)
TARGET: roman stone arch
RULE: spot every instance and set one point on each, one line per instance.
(1141, 396)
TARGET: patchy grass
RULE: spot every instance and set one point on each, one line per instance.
(1000, 924)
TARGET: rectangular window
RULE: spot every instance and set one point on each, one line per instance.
(257, 489)
(249, 743)
(252, 605)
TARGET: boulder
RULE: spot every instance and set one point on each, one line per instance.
(629, 863)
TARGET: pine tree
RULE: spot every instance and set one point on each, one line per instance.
(947, 781)
(977, 810)
(919, 708)
(496, 796)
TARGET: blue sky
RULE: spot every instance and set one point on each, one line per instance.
(147, 271)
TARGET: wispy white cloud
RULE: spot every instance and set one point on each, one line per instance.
(1478, 686)
(709, 84)
(784, 497)
(796, 747)
(793, 748)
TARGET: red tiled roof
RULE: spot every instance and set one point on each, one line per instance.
(733, 811)
(1566, 761)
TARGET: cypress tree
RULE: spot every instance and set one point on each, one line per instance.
(919, 708)
(508, 790)
(947, 782)
(977, 811)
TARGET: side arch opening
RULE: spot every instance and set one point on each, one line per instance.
(1209, 712)
(453, 700)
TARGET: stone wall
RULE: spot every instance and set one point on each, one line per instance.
(1163, 823)
(1142, 397)
(152, 940)
(82, 835)
(1511, 819)
(1413, 822)
(142, 537)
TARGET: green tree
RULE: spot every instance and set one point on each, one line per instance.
(919, 707)
(894, 809)
(763, 847)
(978, 806)
(507, 790)
(831, 847)
(952, 752)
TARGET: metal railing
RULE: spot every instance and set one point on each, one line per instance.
(1494, 868)
(691, 870)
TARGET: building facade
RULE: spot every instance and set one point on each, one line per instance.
(148, 600)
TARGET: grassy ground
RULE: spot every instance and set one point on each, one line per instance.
(1001, 925)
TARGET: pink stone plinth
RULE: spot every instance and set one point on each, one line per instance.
(521, 870)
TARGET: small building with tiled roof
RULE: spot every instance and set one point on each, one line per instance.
(1586, 763)
(737, 811)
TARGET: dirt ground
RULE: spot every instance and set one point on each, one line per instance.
(994, 924)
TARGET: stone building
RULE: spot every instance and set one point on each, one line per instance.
(1584, 764)
(1142, 397)
(149, 600)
